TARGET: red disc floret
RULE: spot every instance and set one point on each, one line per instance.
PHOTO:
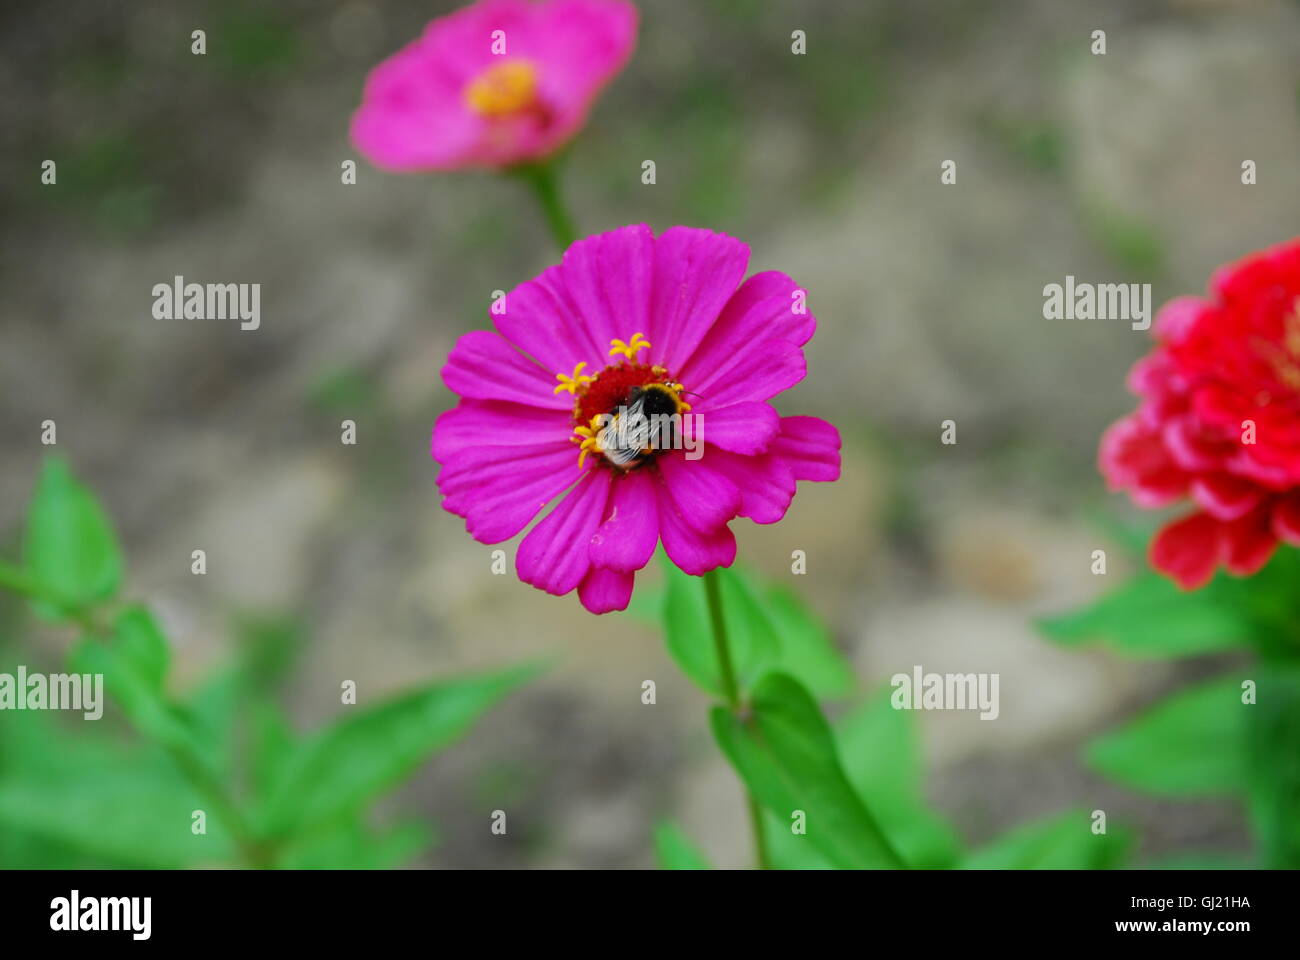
(610, 389)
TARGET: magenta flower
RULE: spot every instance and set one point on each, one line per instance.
(631, 321)
(499, 83)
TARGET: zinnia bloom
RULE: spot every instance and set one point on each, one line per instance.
(498, 83)
(1219, 421)
(627, 315)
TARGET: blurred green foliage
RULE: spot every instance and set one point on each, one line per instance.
(268, 797)
(1236, 736)
(848, 794)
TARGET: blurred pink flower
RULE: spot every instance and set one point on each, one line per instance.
(498, 83)
(628, 315)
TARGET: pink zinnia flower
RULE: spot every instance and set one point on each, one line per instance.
(498, 83)
(628, 315)
(1219, 421)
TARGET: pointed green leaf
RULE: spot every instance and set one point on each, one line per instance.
(676, 851)
(126, 805)
(1149, 617)
(138, 639)
(70, 549)
(1188, 745)
(1064, 842)
(785, 753)
(807, 651)
(879, 748)
(341, 768)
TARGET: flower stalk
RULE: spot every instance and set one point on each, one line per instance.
(544, 182)
(731, 691)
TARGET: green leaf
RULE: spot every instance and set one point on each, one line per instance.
(785, 753)
(128, 806)
(339, 769)
(1201, 860)
(1150, 617)
(676, 851)
(139, 640)
(1188, 745)
(1272, 761)
(131, 678)
(881, 754)
(70, 550)
(688, 630)
(273, 744)
(787, 850)
(1063, 842)
(351, 845)
(767, 629)
(807, 651)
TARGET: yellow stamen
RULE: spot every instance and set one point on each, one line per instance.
(629, 349)
(573, 383)
(590, 435)
(503, 89)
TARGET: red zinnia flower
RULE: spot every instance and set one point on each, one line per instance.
(1219, 421)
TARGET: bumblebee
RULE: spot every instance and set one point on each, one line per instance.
(646, 423)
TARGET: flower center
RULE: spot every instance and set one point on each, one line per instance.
(1284, 360)
(628, 411)
(503, 89)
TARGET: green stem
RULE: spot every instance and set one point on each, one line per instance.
(731, 691)
(196, 771)
(16, 580)
(543, 180)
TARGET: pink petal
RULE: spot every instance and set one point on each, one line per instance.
(1174, 321)
(1286, 519)
(498, 490)
(758, 373)
(476, 423)
(696, 272)
(608, 278)
(762, 309)
(484, 366)
(553, 556)
(1225, 497)
(1190, 447)
(693, 552)
(810, 447)
(766, 484)
(1248, 543)
(539, 319)
(1132, 457)
(627, 539)
(581, 43)
(603, 590)
(412, 115)
(1188, 550)
(702, 495)
(745, 428)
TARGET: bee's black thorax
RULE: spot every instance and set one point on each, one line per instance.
(658, 400)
